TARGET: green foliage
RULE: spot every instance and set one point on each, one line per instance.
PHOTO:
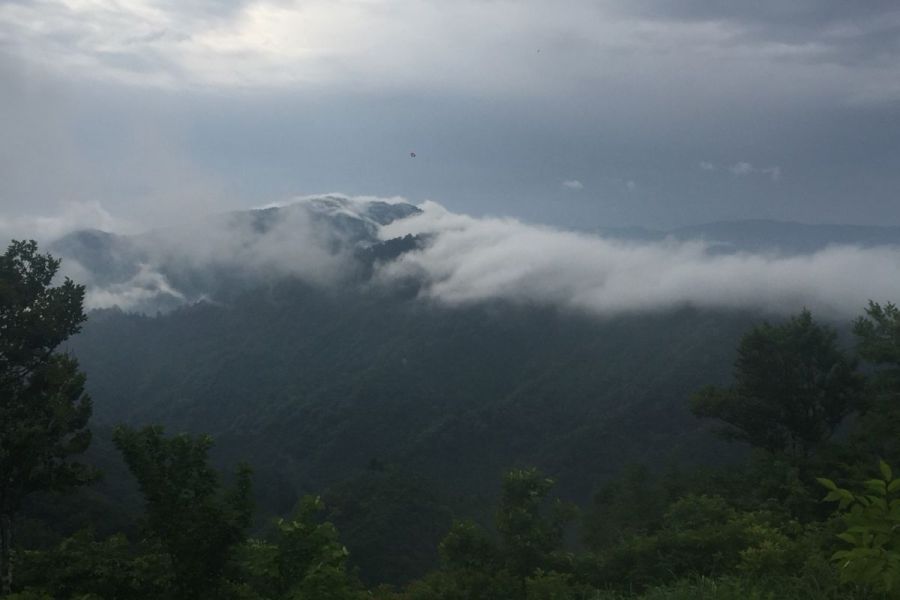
(556, 586)
(44, 411)
(456, 396)
(471, 567)
(701, 536)
(467, 546)
(527, 561)
(35, 316)
(82, 566)
(879, 334)
(878, 338)
(43, 424)
(701, 588)
(531, 526)
(793, 387)
(630, 505)
(304, 560)
(740, 588)
(466, 584)
(873, 531)
(747, 532)
(196, 522)
(391, 521)
(306, 545)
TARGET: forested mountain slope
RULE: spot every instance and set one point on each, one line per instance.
(370, 389)
(315, 385)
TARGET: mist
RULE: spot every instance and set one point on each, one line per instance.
(462, 259)
(192, 262)
(471, 260)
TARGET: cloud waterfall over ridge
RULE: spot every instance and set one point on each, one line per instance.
(477, 259)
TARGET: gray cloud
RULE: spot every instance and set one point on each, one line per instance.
(71, 152)
(473, 260)
(72, 216)
(311, 239)
(147, 288)
(162, 111)
(291, 246)
(401, 44)
(830, 30)
(742, 168)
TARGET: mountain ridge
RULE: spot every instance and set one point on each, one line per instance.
(765, 234)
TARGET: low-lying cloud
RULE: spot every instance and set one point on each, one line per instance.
(164, 268)
(471, 260)
(72, 216)
(290, 245)
(147, 288)
(465, 260)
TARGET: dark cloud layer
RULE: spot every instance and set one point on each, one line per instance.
(157, 109)
(847, 33)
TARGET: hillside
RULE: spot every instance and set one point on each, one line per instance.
(364, 387)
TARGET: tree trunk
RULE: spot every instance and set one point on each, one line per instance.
(6, 568)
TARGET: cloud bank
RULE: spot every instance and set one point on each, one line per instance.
(463, 260)
(158, 108)
(398, 43)
(471, 260)
(211, 259)
(71, 217)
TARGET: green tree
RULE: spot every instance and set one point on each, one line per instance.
(44, 411)
(872, 555)
(468, 546)
(793, 387)
(390, 521)
(304, 560)
(701, 536)
(878, 342)
(633, 504)
(529, 554)
(84, 567)
(198, 523)
(531, 526)
(879, 336)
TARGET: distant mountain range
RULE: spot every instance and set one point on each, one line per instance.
(760, 235)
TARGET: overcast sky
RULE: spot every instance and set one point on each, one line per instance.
(577, 113)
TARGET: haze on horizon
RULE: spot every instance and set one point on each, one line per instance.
(148, 112)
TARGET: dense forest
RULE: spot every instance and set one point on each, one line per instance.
(797, 499)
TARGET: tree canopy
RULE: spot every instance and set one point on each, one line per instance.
(44, 410)
(793, 387)
(197, 522)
